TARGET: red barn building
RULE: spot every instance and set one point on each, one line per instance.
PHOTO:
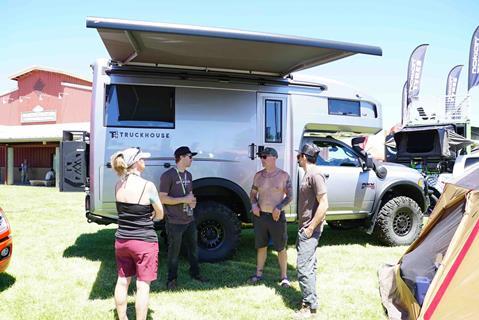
(33, 118)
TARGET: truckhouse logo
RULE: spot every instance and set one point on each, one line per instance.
(141, 135)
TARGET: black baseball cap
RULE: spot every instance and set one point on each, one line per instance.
(268, 152)
(309, 149)
(184, 150)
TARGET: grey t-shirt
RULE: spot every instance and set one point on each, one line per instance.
(170, 183)
(312, 185)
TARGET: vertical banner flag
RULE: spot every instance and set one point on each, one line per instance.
(474, 60)
(451, 86)
(414, 72)
(404, 107)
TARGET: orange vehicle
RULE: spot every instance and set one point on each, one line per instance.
(5, 242)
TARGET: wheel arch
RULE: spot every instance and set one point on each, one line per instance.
(225, 192)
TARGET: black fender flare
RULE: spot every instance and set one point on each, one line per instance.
(228, 185)
(377, 204)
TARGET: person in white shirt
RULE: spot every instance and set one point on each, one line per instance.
(50, 175)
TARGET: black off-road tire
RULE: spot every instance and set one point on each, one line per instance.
(399, 222)
(219, 231)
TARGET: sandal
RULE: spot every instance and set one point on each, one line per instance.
(285, 283)
(255, 279)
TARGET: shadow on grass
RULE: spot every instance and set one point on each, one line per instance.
(6, 281)
(130, 312)
(356, 236)
(235, 272)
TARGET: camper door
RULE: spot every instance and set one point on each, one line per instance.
(272, 129)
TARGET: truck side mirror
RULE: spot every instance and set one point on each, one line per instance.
(381, 172)
(358, 144)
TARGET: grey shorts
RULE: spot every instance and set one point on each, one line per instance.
(265, 228)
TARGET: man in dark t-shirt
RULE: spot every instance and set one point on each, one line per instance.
(176, 194)
(312, 207)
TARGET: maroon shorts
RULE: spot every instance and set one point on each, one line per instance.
(137, 258)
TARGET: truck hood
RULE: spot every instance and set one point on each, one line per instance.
(398, 170)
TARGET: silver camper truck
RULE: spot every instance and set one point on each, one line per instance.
(227, 94)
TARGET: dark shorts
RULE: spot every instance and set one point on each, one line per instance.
(137, 258)
(265, 228)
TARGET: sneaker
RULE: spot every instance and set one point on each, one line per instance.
(255, 279)
(171, 285)
(285, 283)
(305, 312)
(199, 278)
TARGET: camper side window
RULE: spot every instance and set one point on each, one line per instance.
(273, 121)
(140, 106)
(344, 107)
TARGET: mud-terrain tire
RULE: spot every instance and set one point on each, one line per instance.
(399, 222)
(219, 231)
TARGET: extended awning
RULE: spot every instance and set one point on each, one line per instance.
(201, 48)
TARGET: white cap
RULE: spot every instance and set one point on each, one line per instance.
(131, 155)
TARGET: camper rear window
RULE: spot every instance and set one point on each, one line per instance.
(344, 107)
(140, 106)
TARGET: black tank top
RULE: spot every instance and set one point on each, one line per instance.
(134, 221)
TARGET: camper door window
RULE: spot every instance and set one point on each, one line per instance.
(273, 121)
(140, 106)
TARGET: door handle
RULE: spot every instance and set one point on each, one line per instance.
(251, 149)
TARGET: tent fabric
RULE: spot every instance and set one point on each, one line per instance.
(423, 260)
(453, 291)
(388, 291)
(456, 141)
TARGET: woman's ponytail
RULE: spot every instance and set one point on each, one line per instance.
(119, 165)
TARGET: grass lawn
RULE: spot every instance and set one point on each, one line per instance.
(64, 268)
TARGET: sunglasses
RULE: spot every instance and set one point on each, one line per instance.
(189, 156)
(263, 157)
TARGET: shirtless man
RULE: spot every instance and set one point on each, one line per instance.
(270, 193)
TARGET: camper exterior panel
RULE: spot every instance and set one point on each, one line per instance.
(217, 124)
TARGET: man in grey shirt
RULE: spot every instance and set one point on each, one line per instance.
(312, 207)
(176, 194)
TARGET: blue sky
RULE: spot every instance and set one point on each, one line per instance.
(53, 34)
